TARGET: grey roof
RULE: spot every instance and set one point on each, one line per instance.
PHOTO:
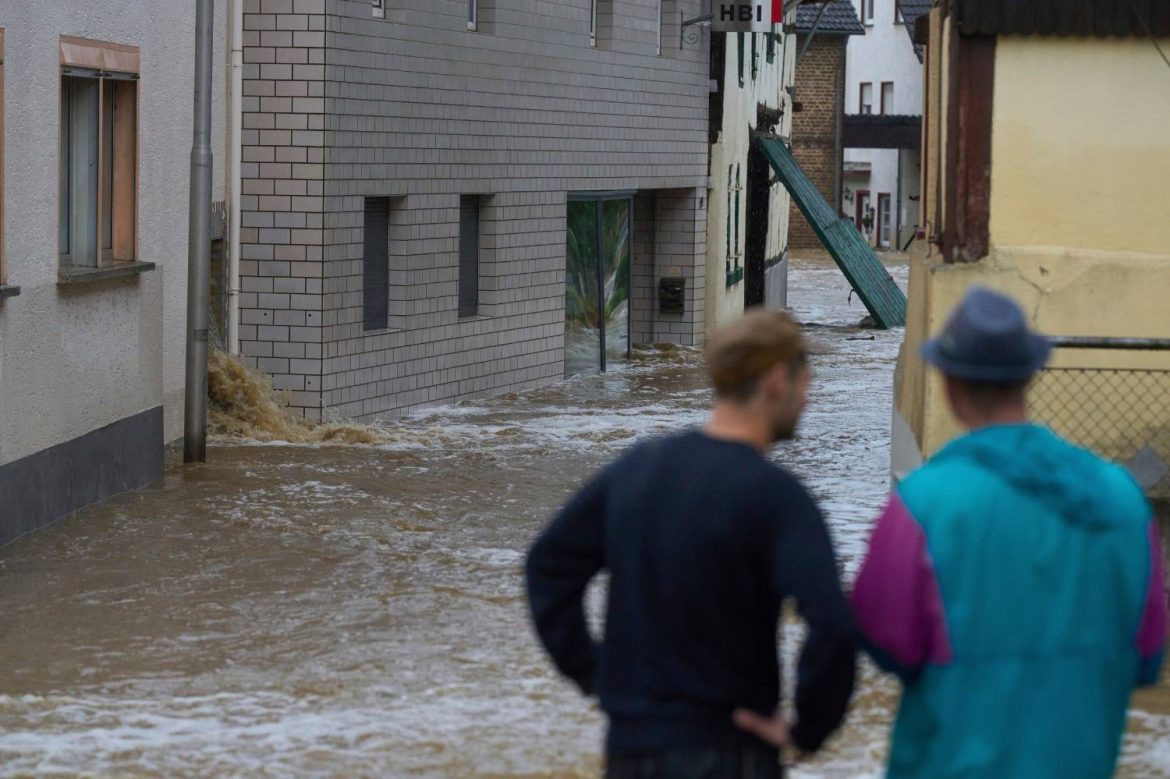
(1120, 18)
(912, 10)
(839, 18)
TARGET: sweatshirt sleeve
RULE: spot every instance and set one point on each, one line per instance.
(560, 565)
(826, 671)
(897, 600)
(1151, 639)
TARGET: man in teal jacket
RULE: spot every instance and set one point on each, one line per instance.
(1014, 583)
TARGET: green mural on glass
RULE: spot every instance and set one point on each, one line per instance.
(582, 298)
(597, 284)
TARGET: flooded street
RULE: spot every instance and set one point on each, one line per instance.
(357, 610)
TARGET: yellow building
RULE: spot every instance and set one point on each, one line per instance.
(1046, 156)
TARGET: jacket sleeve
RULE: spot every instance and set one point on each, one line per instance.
(1151, 639)
(560, 565)
(896, 599)
(827, 668)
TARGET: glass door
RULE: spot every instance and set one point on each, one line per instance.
(615, 274)
(582, 296)
(597, 283)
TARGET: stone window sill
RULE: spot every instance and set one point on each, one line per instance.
(71, 275)
(8, 292)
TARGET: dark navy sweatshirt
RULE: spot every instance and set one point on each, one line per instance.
(703, 540)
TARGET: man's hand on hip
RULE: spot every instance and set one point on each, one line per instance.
(772, 730)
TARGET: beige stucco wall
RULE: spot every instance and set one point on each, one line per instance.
(1080, 147)
(1080, 144)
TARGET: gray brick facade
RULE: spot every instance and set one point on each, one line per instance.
(341, 106)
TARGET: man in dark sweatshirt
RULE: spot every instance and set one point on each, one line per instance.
(703, 539)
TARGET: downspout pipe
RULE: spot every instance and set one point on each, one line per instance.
(234, 182)
(199, 243)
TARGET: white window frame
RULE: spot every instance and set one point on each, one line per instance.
(378, 9)
(473, 15)
(865, 107)
(593, 22)
(867, 12)
(886, 106)
(99, 189)
(658, 45)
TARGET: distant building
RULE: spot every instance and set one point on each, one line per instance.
(819, 104)
(883, 120)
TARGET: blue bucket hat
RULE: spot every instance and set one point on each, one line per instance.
(987, 338)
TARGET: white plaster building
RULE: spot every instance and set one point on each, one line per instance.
(95, 126)
(883, 108)
(747, 218)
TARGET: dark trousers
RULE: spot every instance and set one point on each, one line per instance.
(736, 762)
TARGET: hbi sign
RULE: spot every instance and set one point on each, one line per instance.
(746, 17)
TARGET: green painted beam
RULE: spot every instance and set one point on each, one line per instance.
(882, 296)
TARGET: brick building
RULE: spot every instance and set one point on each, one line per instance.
(819, 94)
(420, 184)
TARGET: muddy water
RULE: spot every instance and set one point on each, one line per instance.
(355, 610)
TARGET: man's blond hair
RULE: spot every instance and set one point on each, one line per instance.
(740, 353)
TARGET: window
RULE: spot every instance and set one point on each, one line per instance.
(898, 12)
(740, 43)
(738, 191)
(887, 99)
(658, 44)
(472, 14)
(376, 264)
(867, 11)
(379, 8)
(771, 47)
(755, 57)
(884, 221)
(727, 253)
(734, 191)
(99, 155)
(866, 106)
(593, 22)
(469, 212)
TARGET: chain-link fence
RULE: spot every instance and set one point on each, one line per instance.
(1122, 413)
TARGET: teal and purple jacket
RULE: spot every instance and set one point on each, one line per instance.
(1015, 585)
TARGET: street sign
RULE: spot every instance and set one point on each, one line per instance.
(746, 17)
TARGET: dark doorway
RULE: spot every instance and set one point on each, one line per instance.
(756, 241)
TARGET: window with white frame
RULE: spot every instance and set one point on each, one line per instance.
(593, 22)
(658, 44)
(866, 100)
(472, 14)
(379, 8)
(887, 99)
(867, 11)
(98, 185)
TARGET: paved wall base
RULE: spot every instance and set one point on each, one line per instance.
(49, 485)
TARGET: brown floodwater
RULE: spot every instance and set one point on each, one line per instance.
(356, 609)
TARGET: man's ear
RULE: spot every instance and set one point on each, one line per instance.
(775, 381)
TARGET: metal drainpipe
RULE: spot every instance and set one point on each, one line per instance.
(199, 244)
(839, 156)
(234, 181)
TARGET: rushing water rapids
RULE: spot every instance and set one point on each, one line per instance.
(326, 609)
